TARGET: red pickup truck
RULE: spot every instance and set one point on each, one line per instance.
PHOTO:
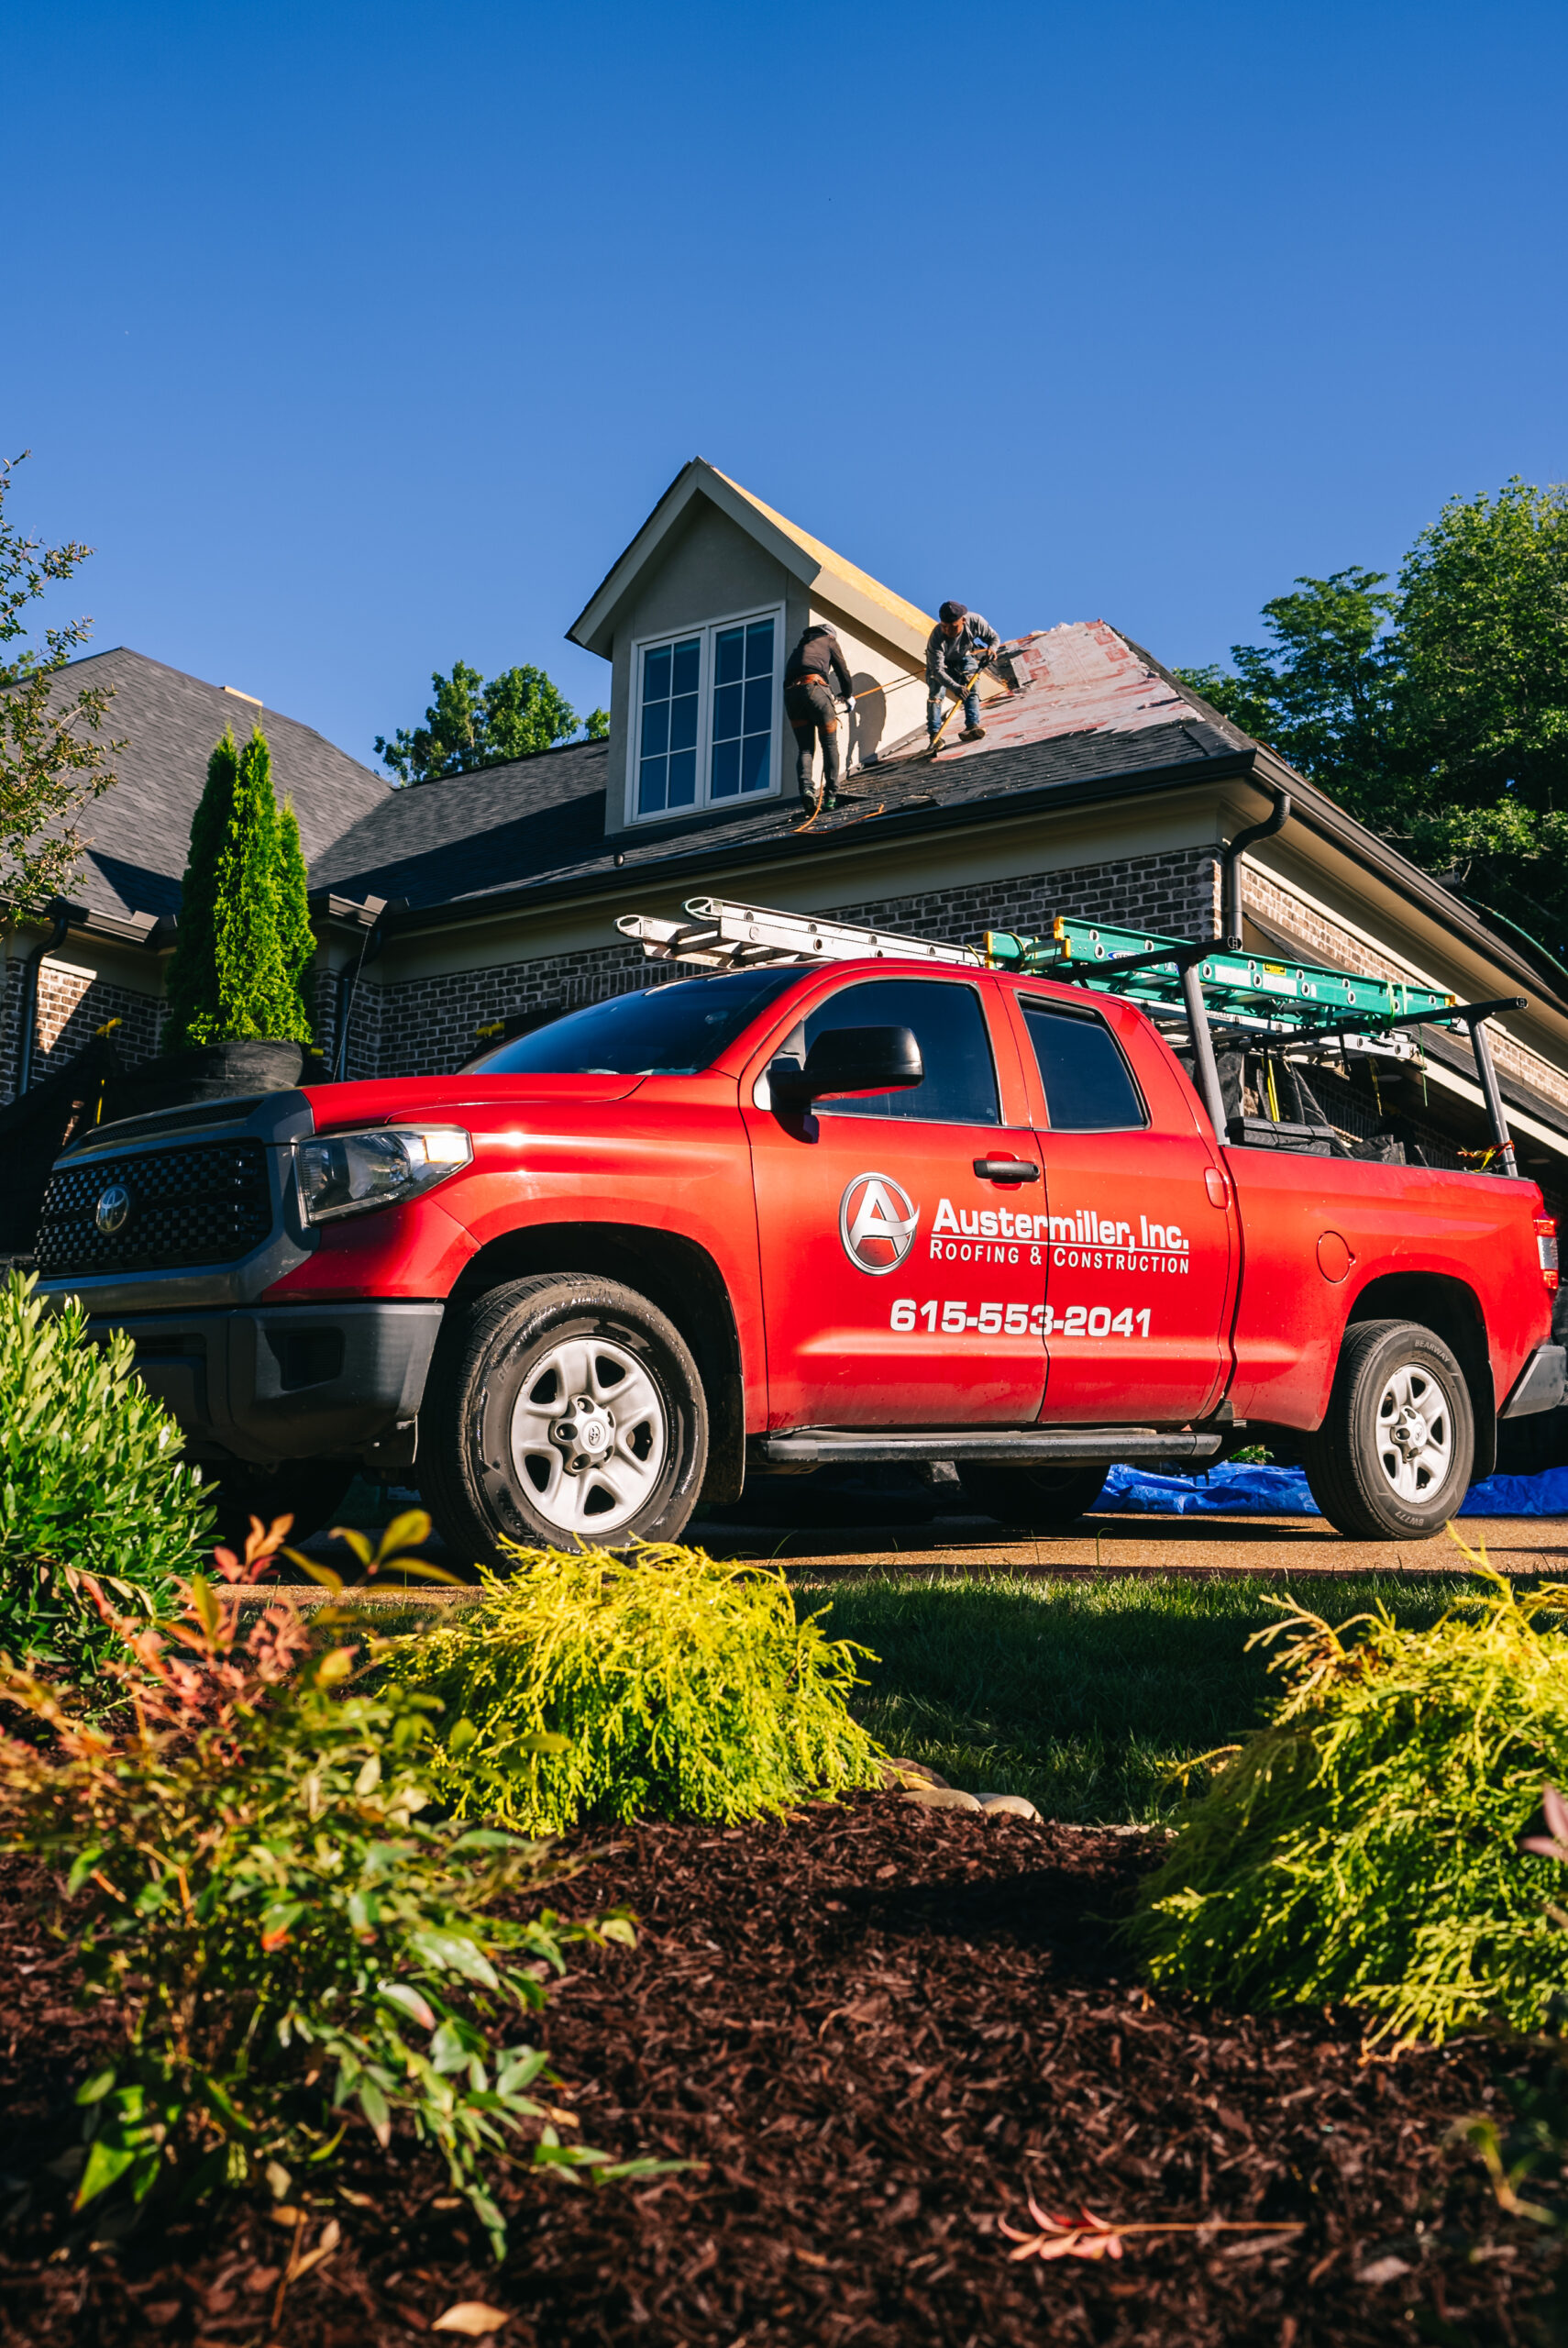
(796, 1212)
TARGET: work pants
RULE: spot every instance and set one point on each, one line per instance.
(936, 703)
(811, 710)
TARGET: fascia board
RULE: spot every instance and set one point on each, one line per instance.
(594, 627)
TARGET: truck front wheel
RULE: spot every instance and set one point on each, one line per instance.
(563, 1411)
(1392, 1459)
(1040, 1499)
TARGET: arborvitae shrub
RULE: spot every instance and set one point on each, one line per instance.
(295, 937)
(666, 1686)
(1361, 1847)
(230, 977)
(91, 1482)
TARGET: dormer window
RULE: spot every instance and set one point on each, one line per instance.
(707, 730)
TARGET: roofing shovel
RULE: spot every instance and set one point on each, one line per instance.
(936, 743)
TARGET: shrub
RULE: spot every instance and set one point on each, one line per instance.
(234, 971)
(1362, 1847)
(669, 1686)
(296, 1947)
(90, 1482)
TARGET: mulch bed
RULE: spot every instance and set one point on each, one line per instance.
(876, 2028)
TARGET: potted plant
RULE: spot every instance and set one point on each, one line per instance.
(240, 983)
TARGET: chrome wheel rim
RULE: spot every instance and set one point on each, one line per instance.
(1415, 1433)
(588, 1435)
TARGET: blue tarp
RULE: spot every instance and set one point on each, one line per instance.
(1234, 1490)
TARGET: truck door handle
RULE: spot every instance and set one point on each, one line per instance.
(1006, 1170)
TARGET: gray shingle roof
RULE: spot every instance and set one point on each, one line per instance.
(541, 820)
(140, 830)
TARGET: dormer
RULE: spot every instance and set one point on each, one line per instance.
(697, 619)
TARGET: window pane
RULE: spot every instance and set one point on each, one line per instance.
(1088, 1086)
(727, 711)
(656, 728)
(729, 653)
(655, 675)
(726, 769)
(960, 1085)
(686, 661)
(682, 779)
(675, 1029)
(650, 786)
(759, 704)
(683, 722)
(760, 648)
(754, 761)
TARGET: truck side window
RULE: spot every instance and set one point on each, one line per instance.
(960, 1087)
(1088, 1085)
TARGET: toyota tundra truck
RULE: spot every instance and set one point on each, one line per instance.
(831, 1197)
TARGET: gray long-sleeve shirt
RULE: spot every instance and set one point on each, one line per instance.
(945, 655)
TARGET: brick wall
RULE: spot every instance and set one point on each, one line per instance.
(1281, 908)
(425, 1027)
(73, 1003)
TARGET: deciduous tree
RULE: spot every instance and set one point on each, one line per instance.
(471, 724)
(54, 755)
(1436, 711)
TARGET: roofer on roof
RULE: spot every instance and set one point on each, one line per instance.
(814, 672)
(956, 649)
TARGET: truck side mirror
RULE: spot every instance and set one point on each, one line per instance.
(848, 1063)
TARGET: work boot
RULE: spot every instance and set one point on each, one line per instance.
(973, 734)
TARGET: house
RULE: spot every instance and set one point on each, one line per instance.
(1103, 789)
(108, 960)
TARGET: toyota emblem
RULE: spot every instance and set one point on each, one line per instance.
(114, 1205)
(877, 1220)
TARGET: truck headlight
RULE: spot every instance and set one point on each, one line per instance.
(345, 1173)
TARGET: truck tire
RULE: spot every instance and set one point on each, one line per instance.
(1040, 1499)
(1392, 1458)
(310, 1490)
(563, 1411)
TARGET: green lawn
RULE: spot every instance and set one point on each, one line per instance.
(1080, 1694)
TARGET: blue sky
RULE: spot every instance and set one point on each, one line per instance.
(360, 339)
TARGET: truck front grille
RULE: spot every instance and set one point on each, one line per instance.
(206, 1205)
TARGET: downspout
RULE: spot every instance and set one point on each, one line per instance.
(1230, 865)
(347, 980)
(61, 914)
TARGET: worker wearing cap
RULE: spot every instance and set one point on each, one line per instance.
(814, 672)
(955, 650)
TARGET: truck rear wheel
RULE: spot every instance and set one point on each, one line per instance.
(1393, 1458)
(563, 1411)
(1040, 1499)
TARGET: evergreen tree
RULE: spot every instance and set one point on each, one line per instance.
(295, 933)
(230, 977)
(191, 985)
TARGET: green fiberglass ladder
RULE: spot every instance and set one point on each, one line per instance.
(1214, 988)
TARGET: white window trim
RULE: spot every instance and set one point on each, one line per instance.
(706, 631)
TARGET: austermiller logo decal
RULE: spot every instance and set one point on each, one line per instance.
(877, 1221)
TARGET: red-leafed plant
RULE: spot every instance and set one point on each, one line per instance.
(247, 1870)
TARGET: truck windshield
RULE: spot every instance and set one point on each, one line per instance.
(671, 1030)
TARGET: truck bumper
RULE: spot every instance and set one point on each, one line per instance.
(271, 1384)
(1541, 1384)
